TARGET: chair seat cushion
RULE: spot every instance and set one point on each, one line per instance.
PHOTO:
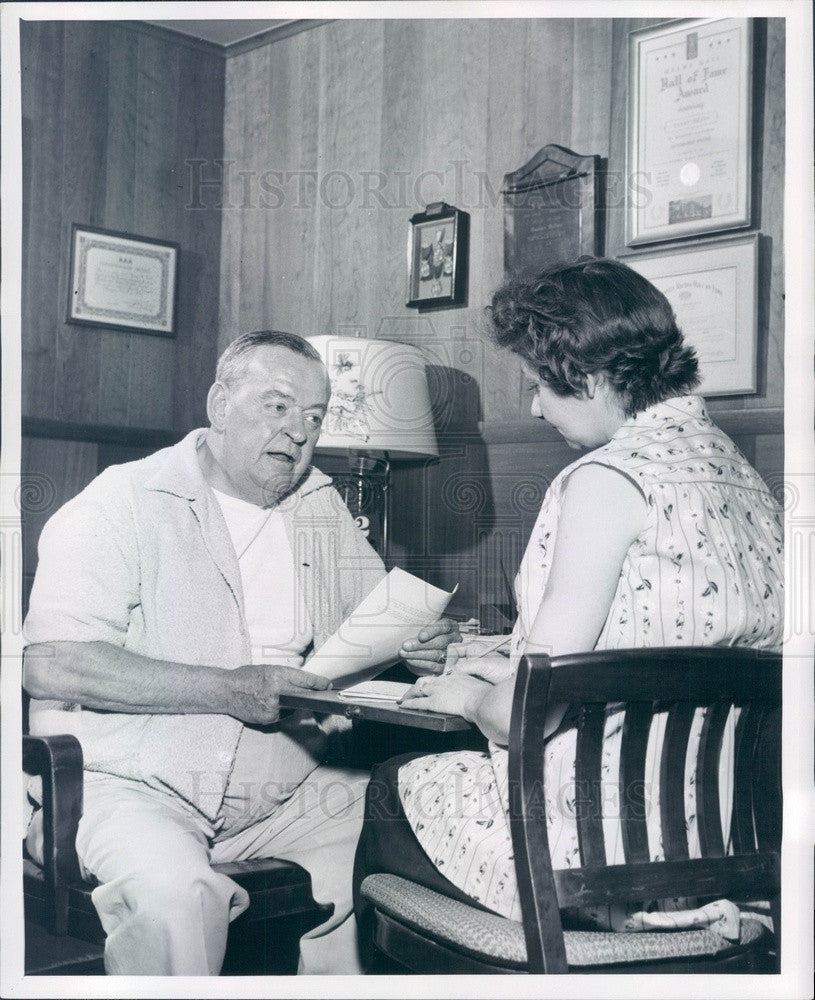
(493, 938)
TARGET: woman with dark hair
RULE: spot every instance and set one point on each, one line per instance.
(660, 535)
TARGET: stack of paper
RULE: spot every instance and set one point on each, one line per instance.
(382, 691)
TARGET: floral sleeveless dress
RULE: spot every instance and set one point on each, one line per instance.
(706, 570)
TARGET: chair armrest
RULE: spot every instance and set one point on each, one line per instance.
(58, 760)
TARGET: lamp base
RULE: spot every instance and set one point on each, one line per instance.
(364, 490)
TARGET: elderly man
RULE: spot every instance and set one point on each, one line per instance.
(175, 599)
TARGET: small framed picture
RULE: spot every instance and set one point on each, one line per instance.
(122, 282)
(437, 257)
(713, 290)
(689, 125)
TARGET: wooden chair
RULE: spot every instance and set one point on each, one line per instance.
(63, 932)
(427, 932)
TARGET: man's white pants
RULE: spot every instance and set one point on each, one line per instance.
(166, 912)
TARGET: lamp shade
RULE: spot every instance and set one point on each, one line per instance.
(379, 398)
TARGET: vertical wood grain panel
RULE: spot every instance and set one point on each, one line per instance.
(51, 473)
(106, 118)
(233, 223)
(547, 110)
(122, 126)
(150, 386)
(591, 78)
(399, 165)
(255, 297)
(198, 137)
(772, 204)
(547, 107)
(508, 144)
(475, 48)
(309, 112)
(42, 61)
(349, 130)
(83, 193)
(281, 258)
(120, 178)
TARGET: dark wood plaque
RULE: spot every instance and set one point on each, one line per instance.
(553, 210)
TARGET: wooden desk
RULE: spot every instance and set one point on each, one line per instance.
(374, 711)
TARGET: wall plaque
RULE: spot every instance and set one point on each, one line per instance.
(552, 210)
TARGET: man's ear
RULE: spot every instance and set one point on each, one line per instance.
(216, 405)
(593, 382)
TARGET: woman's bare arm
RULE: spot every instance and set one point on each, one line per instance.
(602, 513)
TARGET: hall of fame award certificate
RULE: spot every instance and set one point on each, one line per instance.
(689, 114)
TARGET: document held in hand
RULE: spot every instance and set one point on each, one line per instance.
(370, 638)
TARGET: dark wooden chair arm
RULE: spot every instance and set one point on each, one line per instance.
(58, 761)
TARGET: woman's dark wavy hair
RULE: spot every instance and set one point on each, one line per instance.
(596, 316)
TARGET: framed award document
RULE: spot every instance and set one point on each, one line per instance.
(689, 123)
(713, 290)
(122, 282)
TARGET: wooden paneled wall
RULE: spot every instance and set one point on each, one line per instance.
(112, 116)
(339, 134)
(325, 143)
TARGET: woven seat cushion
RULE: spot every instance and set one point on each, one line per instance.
(489, 937)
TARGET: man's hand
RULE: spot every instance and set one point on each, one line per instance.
(427, 653)
(108, 678)
(255, 689)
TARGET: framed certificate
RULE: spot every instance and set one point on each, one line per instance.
(713, 290)
(689, 123)
(122, 282)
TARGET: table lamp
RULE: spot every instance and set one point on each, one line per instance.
(379, 412)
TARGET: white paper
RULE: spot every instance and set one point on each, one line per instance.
(369, 640)
(388, 692)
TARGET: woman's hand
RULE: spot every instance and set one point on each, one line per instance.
(455, 694)
(493, 667)
(427, 653)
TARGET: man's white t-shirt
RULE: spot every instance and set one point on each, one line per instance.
(279, 625)
(271, 762)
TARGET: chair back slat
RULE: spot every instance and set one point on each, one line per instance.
(742, 825)
(545, 949)
(768, 805)
(719, 877)
(589, 785)
(674, 674)
(708, 812)
(633, 798)
(672, 781)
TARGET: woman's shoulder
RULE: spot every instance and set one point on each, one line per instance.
(606, 468)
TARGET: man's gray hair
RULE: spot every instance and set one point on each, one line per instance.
(233, 362)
